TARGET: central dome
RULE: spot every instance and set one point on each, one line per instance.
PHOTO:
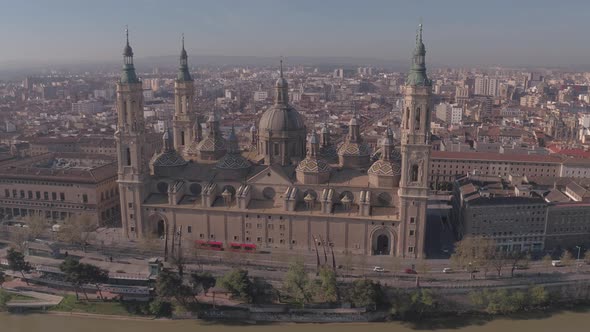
(280, 118)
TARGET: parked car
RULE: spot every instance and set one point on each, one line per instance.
(378, 269)
(447, 270)
(556, 263)
(410, 271)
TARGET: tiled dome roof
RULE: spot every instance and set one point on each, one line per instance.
(386, 168)
(354, 149)
(169, 158)
(313, 165)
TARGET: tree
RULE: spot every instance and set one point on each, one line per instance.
(297, 283)
(17, 263)
(150, 242)
(547, 261)
(202, 282)
(77, 230)
(73, 274)
(518, 259)
(473, 253)
(422, 267)
(169, 285)
(328, 286)
(566, 258)
(587, 257)
(231, 258)
(37, 225)
(238, 284)
(498, 260)
(538, 296)
(19, 237)
(394, 265)
(347, 262)
(93, 274)
(422, 301)
(2, 278)
(366, 293)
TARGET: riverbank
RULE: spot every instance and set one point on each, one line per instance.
(564, 320)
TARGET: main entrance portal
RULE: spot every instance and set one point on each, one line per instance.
(381, 244)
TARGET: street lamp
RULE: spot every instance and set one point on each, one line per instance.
(578, 260)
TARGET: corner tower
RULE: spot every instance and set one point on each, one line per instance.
(415, 151)
(130, 138)
(184, 93)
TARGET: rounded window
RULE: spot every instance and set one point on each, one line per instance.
(268, 193)
(163, 187)
(195, 189)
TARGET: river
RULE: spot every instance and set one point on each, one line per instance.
(566, 321)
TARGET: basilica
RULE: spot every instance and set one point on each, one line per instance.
(293, 190)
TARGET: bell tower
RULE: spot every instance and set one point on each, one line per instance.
(130, 138)
(184, 93)
(415, 151)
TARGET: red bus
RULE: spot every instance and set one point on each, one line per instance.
(210, 245)
(242, 247)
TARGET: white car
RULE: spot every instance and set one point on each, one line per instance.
(447, 270)
(378, 269)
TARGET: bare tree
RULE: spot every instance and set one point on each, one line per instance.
(19, 237)
(422, 267)
(149, 243)
(473, 253)
(37, 224)
(347, 262)
(77, 230)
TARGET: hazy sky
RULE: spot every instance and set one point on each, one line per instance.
(456, 32)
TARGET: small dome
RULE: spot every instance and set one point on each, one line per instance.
(280, 118)
(313, 165)
(354, 149)
(211, 144)
(169, 158)
(233, 161)
(127, 51)
(385, 168)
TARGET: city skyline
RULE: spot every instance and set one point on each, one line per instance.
(458, 32)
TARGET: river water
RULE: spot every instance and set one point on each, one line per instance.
(565, 321)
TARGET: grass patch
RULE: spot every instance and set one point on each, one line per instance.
(70, 304)
(20, 297)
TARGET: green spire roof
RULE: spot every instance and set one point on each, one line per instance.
(417, 75)
(183, 73)
(128, 75)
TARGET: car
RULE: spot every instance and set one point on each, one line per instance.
(410, 271)
(447, 270)
(378, 269)
(556, 263)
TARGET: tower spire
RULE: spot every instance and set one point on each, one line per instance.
(128, 75)
(282, 93)
(183, 72)
(417, 74)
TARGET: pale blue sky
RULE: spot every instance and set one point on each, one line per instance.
(456, 31)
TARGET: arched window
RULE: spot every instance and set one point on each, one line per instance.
(407, 118)
(417, 124)
(182, 138)
(128, 157)
(414, 177)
